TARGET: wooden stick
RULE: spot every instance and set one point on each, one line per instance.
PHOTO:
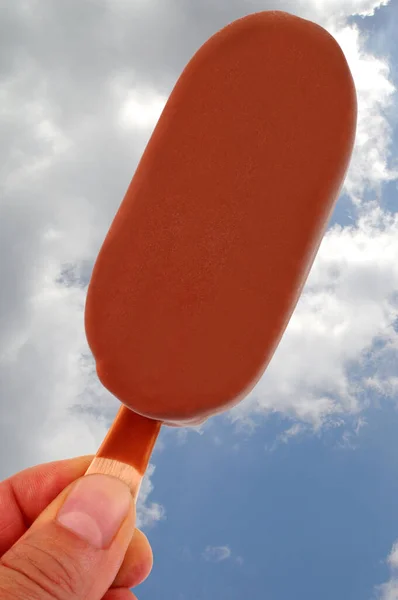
(127, 448)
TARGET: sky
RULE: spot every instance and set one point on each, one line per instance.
(293, 494)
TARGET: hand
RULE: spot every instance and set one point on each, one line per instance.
(66, 539)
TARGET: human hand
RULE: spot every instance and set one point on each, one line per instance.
(66, 539)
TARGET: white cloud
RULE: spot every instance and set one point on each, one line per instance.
(338, 10)
(389, 590)
(291, 432)
(217, 553)
(148, 513)
(286, 436)
(393, 557)
(141, 109)
(56, 202)
(344, 323)
(370, 166)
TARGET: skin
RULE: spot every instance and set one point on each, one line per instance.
(27, 500)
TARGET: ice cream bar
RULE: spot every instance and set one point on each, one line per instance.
(208, 253)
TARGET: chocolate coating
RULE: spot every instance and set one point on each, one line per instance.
(207, 255)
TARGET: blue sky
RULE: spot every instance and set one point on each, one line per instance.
(311, 519)
(293, 494)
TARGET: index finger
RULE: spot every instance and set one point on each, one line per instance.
(27, 493)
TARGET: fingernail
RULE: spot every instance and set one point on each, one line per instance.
(95, 509)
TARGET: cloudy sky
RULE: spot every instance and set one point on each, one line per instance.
(294, 494)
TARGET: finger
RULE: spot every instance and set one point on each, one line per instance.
(25, 495)
(137, 562)
(120, 594)
(36, 487)
(75, 547)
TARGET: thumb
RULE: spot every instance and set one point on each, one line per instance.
(75, 547)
